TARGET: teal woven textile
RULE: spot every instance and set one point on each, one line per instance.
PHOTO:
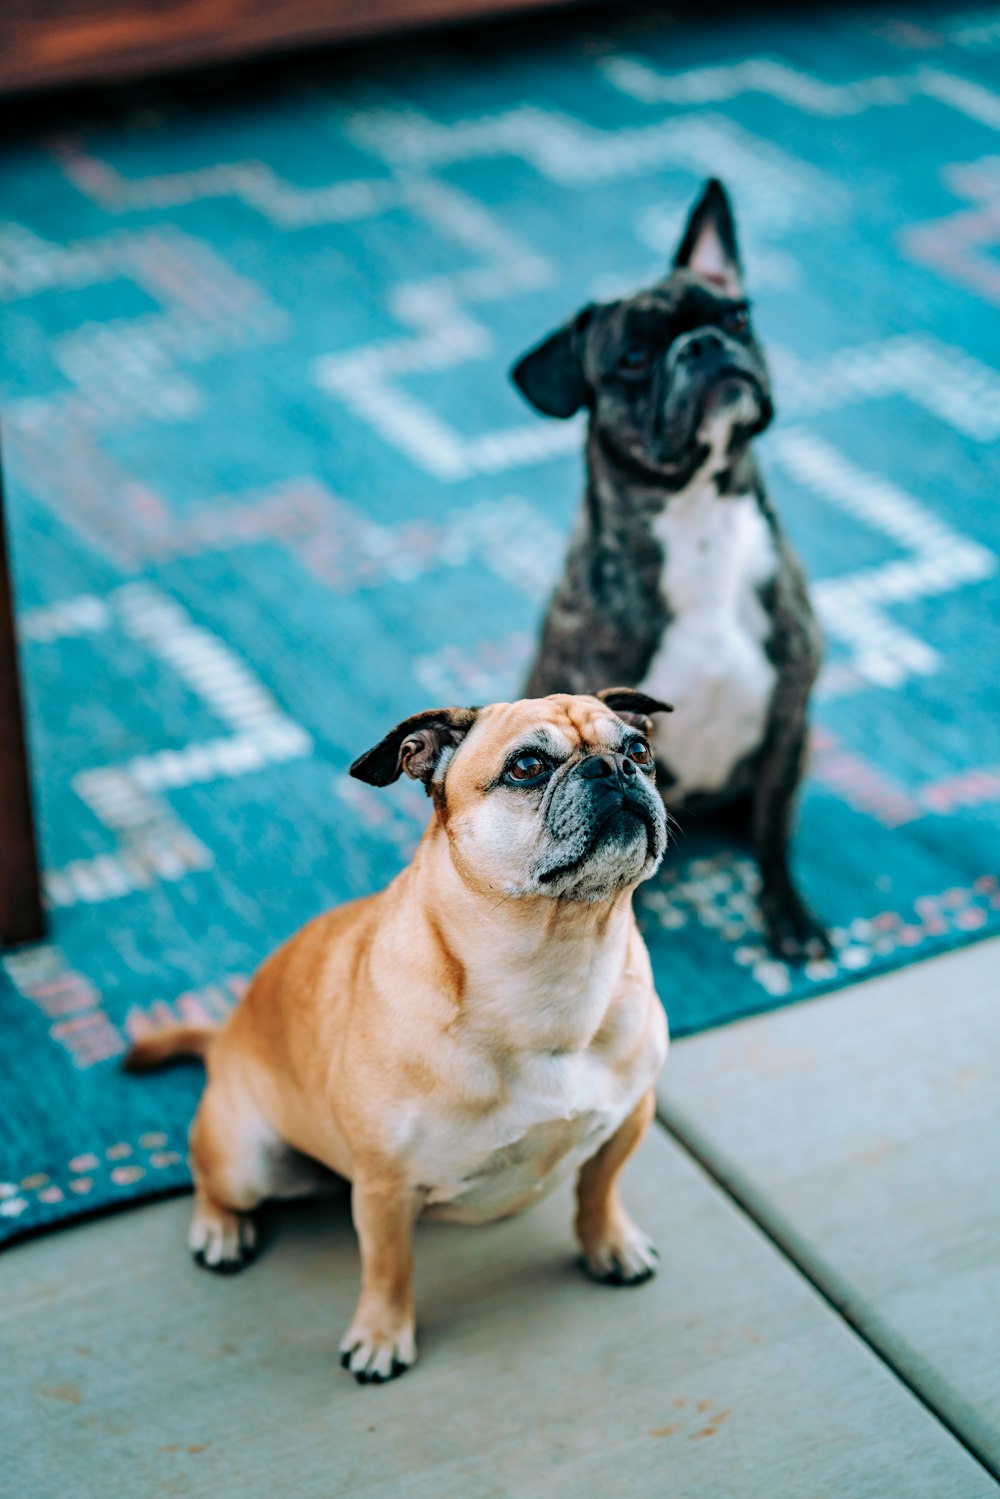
(270, 490)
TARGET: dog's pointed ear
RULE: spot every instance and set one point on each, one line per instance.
(551, 375)
(708, 246)
(417, 746)
(633, 707)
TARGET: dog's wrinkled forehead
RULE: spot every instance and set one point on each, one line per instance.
(561, 725)
(678, 304)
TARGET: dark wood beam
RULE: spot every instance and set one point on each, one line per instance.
(22, 918)
(47, 42)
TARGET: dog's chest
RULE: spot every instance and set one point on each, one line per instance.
(556, 1115)
(711, 662)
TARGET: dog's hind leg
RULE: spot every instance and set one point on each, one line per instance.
(235, 1161)
(219, 1239)
(615, 1251)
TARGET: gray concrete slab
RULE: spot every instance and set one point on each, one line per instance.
(127, 1372)
(863, 1131)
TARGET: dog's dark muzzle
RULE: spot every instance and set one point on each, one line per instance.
(617, 790)
(708, 371)
(599, 802)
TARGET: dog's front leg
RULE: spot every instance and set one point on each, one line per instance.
(381, 1340)
(614, 1249)
(793, 932)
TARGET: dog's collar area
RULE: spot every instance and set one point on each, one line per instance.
(659, 478)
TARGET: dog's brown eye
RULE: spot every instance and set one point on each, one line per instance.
(636, 359)
(736, 321)
(527, 768)
(639, 751)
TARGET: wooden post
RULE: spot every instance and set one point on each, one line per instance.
(22, 918)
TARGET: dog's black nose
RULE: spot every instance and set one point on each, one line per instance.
(597, 768)
(606, 767)
(702, 344)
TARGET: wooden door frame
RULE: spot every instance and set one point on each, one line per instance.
(22, 917)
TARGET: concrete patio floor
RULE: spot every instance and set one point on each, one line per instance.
(861, 1132)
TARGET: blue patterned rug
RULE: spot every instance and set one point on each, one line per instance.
(270, 490)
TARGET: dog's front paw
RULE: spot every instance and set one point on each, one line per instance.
(374, 1355)
(221, 1241)
(794, 934)
(622, 1256)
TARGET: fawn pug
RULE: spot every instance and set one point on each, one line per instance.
(460, 1041)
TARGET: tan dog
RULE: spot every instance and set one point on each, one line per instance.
(460, 1041)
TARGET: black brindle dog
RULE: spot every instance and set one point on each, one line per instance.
(679, 579)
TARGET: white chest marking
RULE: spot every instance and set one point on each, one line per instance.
(558, 1112)
(711, 662)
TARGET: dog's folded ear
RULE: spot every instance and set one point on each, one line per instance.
(633, 707)
(708, 246)
(551, 375)
(417, 746)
